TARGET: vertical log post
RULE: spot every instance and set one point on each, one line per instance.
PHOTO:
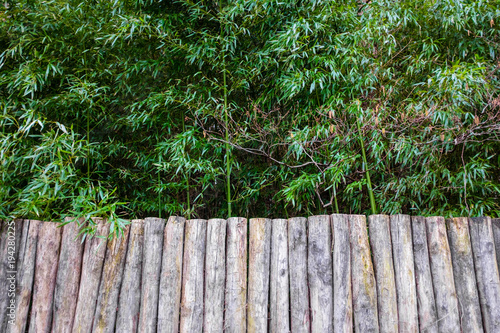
(280, 301)
(495, 223)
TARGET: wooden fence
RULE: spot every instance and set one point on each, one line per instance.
(337, 273)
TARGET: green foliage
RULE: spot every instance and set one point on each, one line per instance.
(117, 108)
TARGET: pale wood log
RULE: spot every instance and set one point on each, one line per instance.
(93, 262)
(130, 293)
(192, 276)
(402, 250)
(47, 255)
(495, 223)
(68, 278)
(151, 270)
(342, 287)
(464, 274)
(299, 289)
(215, 276)
(171, 275)
(442, 276)
(236, 275)
(320, 273)
(364, 293)
(427, 313)
(488, 279)
(279, 282)
(109, 287)
(258, 274)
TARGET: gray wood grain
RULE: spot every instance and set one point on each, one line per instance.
(442, 276)
(127, 319)
(464, 274)
(364, 293)
(320, 273)
(280, 301)
(258, 274)
(193, 277)
(495, 224)
(215, 276)
(488, 279)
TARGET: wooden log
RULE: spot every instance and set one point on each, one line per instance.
(235, 315)
(488, 279)
(151, 270)
(127, 319)
(495, 223)
(68, 278)
(381, 245)
(427, 313)
(402, 251)
(464, 274)
(215, 275)
(320, 273)
(193, 277)
(258, 274)
(299, 290)
(171, 275)
(93, 262)
(342, 287)
(109, 287)
(442, 275)
(279, 282)
(364, 293)
(47, 255)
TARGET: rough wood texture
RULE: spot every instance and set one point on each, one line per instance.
(299, 290)
(463, 272)
(427, 314)
(171, 275)
(127, 319)
(320, 273)
(109, 288)
(258, 274)
(25, 276)
(68, 278)
(402, 251)
(47, 255)
(495, 223)
(279, 303)
(192, 276)
(235, 314)
(93, 261)
(342, 290)
(151, 270)
(442, 276)
(380, 241)
(488, 279)
(215, 276)
(364, 293)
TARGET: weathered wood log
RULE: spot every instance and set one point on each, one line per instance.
(380, 241)
(495, 223)
(68, 278)
(109, 287)
(488, 279)
(464, 274)
(127, 319)
(299, 290)
(427, 313)
(171, 275)
(47, 255)
(258, 274)
(364, 293)
(320, 273)
(151, 270)
(342, 290)
(93, 262)
(192, 276)
(236, 275)
(279, 282)
(442, 275)
(402, 251)
(215, 276)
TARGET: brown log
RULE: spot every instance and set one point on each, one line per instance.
(279, 283)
